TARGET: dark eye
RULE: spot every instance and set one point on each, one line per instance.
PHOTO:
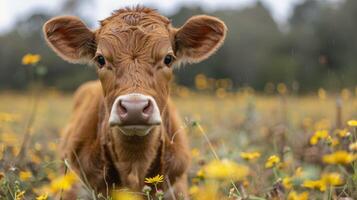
(100, 61)
(168, 59)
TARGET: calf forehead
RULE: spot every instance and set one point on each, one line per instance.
(134, 32)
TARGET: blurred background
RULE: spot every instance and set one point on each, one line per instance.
(304, 44)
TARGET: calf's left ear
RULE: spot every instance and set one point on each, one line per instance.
(199, 38)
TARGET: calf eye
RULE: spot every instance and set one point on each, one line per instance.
(101, 61)
(169, 59)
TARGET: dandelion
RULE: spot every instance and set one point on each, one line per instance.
(315, 184)
(42, 197)
(342, 133)
(272, 161)
(298, 172)
(352, 123)
(19, 195)
(332, 141)
(295, 196)
(353, 146)
(155, 180)
(287, 183)
(339, 157)
(195, 153)
(225, 170)
(193, 190)
(318, 135)
(31, 59)
(124, 195)
(63, 183)
(332, 179)
(250, 155)
(210, 191)
(25, 175)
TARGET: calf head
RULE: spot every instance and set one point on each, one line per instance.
(135, 51)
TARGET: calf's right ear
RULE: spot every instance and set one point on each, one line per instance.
(70, 38)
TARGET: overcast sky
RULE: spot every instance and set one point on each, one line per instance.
(11, 10)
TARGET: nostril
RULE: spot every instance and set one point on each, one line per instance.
(122, 109)
(148, 108)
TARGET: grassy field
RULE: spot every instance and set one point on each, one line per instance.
(244, 146)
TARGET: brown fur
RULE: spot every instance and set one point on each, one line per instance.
(134, 43)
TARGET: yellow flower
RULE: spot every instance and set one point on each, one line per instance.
(287, 183)
(352, 123)
(226, 170)
(193, 190)
(209, 191)
(339, 157)
(155, 180)
(195, 153)
(332, 179)
(332, 141)
(24, 176)
(19, 195)
(8, 117)
(63, 183)
(42, 197)
(318, 135)
(295, 196)
(353, 146)
(124, 195)
(272, 161)
(298, 172)
(31, 59)
(315, 184)
(342, 133)
(249, 155)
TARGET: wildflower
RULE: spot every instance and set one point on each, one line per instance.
(342, 133)
(225, 169)
(200, 174)
(24, 176)
(42, 197)
(146, 189)
(7, 117)
(210, 191)
(193, 190)
(31, 59)
(63, 183)
(332, 141)
(295, 196)
(249, 155)
(332, 179)
(339, 157)
(298, 172)
(315, 184)
(195, 153)
(272, 161)
(318, 135)
(352, 123)
(353, 146)
(159, 194)
(287, 183)
(124, 195)
(155, 180)
(19, 195)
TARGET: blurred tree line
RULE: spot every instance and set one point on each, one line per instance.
(316, 50)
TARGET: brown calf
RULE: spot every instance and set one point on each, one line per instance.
(122, 127)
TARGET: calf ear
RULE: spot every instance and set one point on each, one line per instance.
(199, 38)
(70, 38)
